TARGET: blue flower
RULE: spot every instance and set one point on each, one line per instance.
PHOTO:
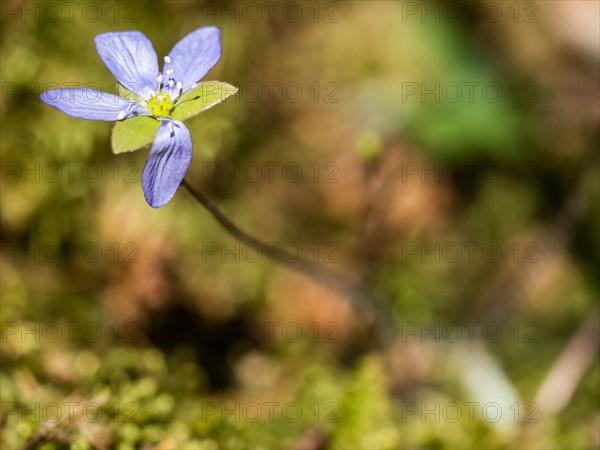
(151, 104)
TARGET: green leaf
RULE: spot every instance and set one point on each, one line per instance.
(134, 133)
(202, 97)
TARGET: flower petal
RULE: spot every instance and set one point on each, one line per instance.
(91, 104)
(167, 163)
(193, 56)
(131, 58)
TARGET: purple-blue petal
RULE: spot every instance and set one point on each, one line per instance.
(131, 58)
(91, 104)
(193, 56)
(167, 162)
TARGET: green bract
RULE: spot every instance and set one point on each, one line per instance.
(205, 95)
(132, 134)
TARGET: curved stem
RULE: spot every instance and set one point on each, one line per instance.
(361, 295)
(277, 253)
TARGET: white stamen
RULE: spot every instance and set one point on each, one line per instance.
(149, 93)
(167, 60)
(179, 85)
(159, 79)
(171, 83)
(121, 115)
(159, 98)
(169, 71)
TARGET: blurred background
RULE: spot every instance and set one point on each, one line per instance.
(439, 158)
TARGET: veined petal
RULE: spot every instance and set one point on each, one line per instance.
(193, 56)
(131, 58)
(91, 104)
(167, 162)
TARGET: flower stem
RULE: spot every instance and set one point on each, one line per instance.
(361, 295)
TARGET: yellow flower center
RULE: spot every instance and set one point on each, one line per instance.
(160, 104)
